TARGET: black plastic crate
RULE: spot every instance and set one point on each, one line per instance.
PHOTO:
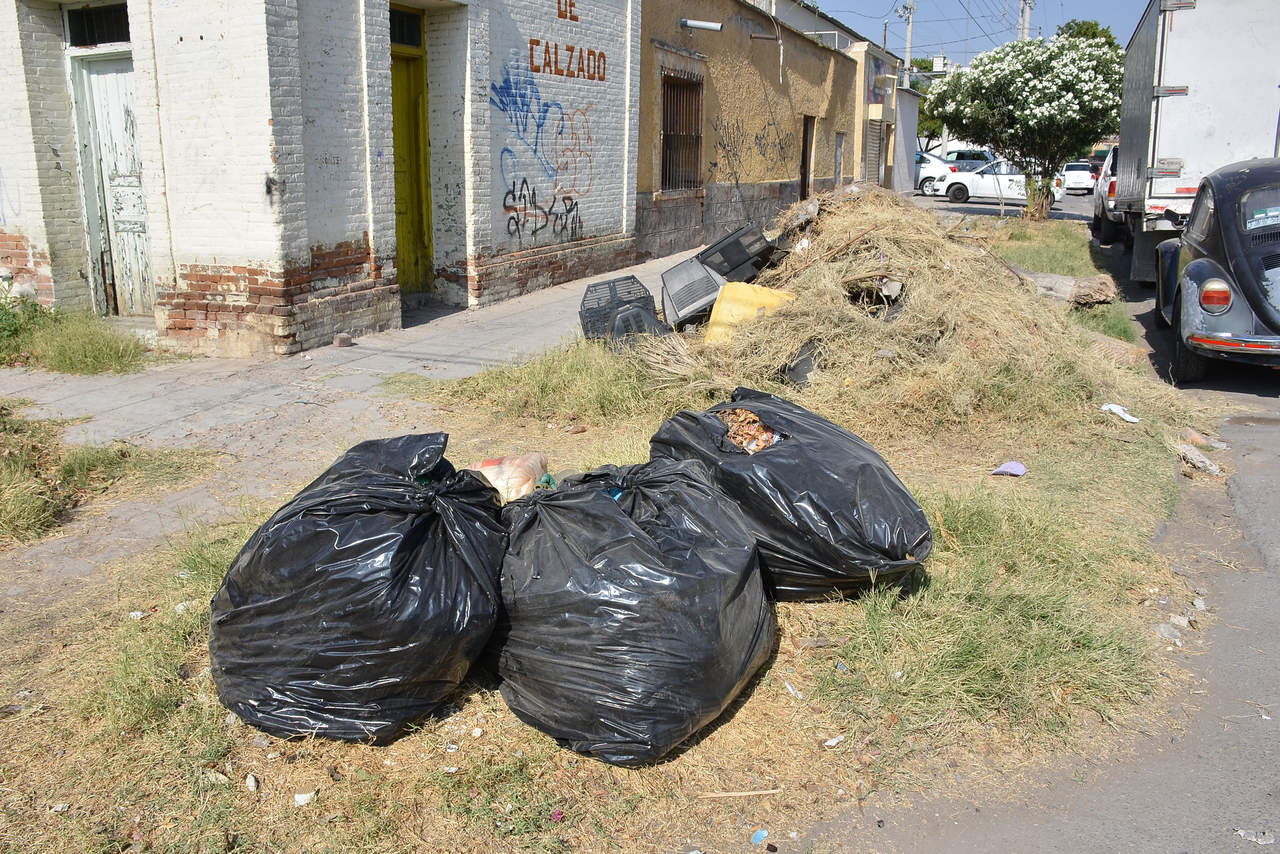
(740, 255)
(603, 299)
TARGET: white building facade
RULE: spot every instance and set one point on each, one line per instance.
(259, 176)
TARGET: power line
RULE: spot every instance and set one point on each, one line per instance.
(975, 22)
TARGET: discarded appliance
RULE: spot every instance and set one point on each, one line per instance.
(635, 606)
(602, 300)
(689, 289)
(827, 512)
(360, 605)
(740, 255)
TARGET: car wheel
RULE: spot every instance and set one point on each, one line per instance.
(926, 186)
(958, 193)
(1188, 366)
(1161, 323)
(1109, 232)
(1095, 225)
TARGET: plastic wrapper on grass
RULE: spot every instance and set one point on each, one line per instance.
(359, 606)
(828, 513)
(636, 607)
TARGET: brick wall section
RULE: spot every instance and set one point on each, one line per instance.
(22, 266)
(490, 279)
(242, 309)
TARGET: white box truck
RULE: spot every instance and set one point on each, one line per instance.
(1200, 91)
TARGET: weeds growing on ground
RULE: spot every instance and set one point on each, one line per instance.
(34, 336)
(41, 479)
(1050, 247)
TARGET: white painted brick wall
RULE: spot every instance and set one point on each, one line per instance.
(561, 148)
(216, 122)
(54, 149)
(381, 189)
(20, 210)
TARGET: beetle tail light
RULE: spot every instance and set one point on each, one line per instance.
(1111, 189)
(1215, 296)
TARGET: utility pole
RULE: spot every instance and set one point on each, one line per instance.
(884, 37)
(1024, 18)
(907, 11)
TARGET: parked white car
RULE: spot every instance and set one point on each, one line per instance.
(1078, 176)
(931, 169)
(1001, 181)
(1108, 223)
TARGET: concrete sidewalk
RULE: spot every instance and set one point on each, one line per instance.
(173, 402)
(275, 423)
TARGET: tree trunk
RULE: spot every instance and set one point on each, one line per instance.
(1039, 197)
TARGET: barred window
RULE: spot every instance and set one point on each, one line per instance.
(681, 132)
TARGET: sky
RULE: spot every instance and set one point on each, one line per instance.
(962, 28)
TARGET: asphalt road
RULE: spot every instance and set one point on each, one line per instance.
(1209, 769)
(1073, 206)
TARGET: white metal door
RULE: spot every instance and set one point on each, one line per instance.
(111, 144)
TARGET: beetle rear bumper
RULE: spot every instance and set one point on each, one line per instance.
(1257, 349)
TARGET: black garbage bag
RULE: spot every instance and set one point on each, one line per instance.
(358, 607)
(828, 513)
(636, 609)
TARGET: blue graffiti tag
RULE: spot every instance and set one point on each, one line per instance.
(517, 96)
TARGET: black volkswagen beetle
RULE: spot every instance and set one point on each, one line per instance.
(1218, 284)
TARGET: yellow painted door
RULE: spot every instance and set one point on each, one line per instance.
(413, 175)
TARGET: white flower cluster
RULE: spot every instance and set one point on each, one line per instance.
(1034, 101)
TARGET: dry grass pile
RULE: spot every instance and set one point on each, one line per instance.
(968, 345)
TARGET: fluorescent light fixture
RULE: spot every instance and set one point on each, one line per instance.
(713, 26)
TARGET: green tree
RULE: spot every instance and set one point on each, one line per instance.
(929, 126)
(1036, 103)
(1078, 29)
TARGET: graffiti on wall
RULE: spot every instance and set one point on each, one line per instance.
(543, 100)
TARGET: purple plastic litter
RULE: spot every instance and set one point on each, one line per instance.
(1013, 468)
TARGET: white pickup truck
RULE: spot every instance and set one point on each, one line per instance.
(1200, 91)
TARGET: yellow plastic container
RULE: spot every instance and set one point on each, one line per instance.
(740, 303)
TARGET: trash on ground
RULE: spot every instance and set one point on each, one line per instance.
(827, 512)
(1013, 468)
(833, 742)
(360, 605)
(302, 797)
(1198, 603)
(1199, 440)
(251, 782)
(689, 289)
(740, 303)
(636, 609)
(516, 476)
(747, 431)
(1169, 633)
(1262, 837)
(1180, 621)
(759, 836)
(740, 255)
(791, 689)
(1197, 460)
(1120, 412)
(61, 807)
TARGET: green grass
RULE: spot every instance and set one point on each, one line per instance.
(41, 479)
(1109, 319)
(67, 343)
(1053, 247)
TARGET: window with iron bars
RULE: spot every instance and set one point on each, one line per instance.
(681, 132)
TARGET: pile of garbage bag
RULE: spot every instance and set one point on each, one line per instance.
(359, 606)
(827, 512)
(636, 609)
(631, 604)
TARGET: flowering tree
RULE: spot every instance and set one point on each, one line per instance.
(1035, 102)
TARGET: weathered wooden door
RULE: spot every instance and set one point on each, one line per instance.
(118, 209)
(409, 132)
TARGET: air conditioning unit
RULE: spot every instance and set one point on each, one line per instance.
(740, 255)
(689, 289)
